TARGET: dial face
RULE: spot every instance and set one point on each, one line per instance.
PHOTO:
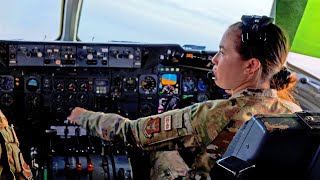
(32, 101)
(71, 86)
(58, 85)
(189, 85)
(130, 84)
(32, 85)
(148, 85)
(6, 83)
(82, 98)
(83, 86)
(58, 97)
(57, 108)
(201, 97)
(202, 85)
(6, 99)
(145, 109)
(70, 97)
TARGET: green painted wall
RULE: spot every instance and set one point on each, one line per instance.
(307, 38)
(301, 20)
(289, 14)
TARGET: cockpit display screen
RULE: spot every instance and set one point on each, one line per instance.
(169, 84)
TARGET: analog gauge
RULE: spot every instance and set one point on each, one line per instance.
(58, 97)
(70, 97)
(130, 84)
(202, 85)
(6, 83)
(71, 86)
(82, 98)
(32, 85)
(201, 97)
(148, 85)
(189, 85)
(57, 108)
(6, 100)
(146, 109)
(58, 85)
(83, 86)
(69, 108)
(33, 101)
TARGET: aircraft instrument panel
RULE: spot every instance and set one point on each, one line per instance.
(41, 82)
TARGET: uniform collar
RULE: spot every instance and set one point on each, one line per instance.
(256, 92)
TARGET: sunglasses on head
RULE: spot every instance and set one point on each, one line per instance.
(253, 27)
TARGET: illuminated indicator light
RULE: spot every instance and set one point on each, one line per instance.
(177, 69)
(167, 69)
(58, 62)
(189, 56)
(17, 83)
(79, 167)
(162, 69)
(172, 69)
(90, 167)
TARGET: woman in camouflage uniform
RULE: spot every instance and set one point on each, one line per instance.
(251, 63)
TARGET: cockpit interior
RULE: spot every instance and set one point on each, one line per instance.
(42, 81)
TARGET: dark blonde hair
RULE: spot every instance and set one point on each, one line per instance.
(272, 55)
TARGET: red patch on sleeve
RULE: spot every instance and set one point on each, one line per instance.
(151, 126)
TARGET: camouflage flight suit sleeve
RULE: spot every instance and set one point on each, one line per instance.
(193, 126)
(12, 164)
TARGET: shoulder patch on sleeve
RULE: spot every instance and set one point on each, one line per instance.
(167, 123)
(151, 126)
(177, 121)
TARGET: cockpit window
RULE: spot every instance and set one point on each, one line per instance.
(35, 20)
(190, 22)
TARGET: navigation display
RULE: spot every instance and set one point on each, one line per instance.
(169, 84)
